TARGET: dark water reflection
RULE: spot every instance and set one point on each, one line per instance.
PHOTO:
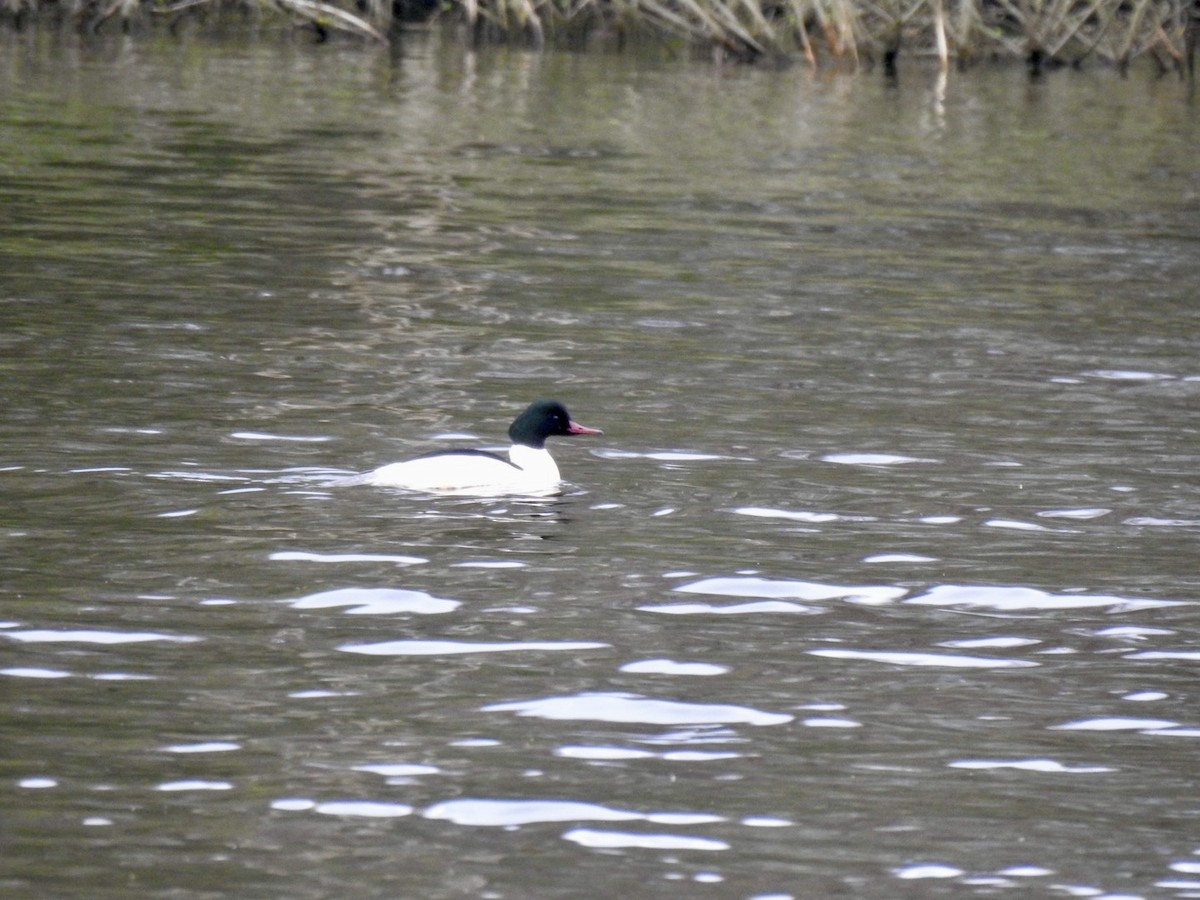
(881, 582)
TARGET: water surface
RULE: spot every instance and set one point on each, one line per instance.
(881, 581)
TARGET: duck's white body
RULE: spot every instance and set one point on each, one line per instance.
(525, 471)
(529, 469)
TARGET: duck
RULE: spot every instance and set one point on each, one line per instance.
(527, 469)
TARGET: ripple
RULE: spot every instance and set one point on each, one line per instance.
(195, 784)
(631, 708)
(731, 609)
(907, 658)
(748, 586)
(446, 648)
(995, 642)
(617, 754)
(509, 813)
(873, 459)
(1126, 375)
(206, 747)
(266, 436)
(1145, 696)
(615, 840)
(1189, 655)
(1014, 599)
(799, 515)
(1025, 872)
(1115, 723)
(39, 636)
(604, 754)
(899, 558)
(397, 770)
(304, 556)
(377, 601)
(1132, 632)
(1162, 523)
(767, 822)
(369, 809)
(670, 667)
(1083, 513)
(928, 870)
(1014, 525)
(660, 456)
(699, 755)
(293, 804)
(33, 672)
(1029, 765)
(195, 475)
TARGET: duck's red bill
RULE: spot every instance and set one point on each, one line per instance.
(576, 428)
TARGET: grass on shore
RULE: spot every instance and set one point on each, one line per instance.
(1044, 33)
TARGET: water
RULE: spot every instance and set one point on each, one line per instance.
(880, 583)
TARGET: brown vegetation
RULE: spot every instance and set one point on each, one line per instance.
(1044, 33)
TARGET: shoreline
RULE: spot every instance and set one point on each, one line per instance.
(858, 34)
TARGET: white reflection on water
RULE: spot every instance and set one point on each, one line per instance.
(1146, 696)
(195, 784)
(766, 822)
(446, 648)
(630, 708)
(660, 456)
(377, 601)
(830, 722)
(1085, 513)
(38, 636)
(799, 515)
(397, 770)
(746, 586)
(1014, 525)
(365, 808)
(1011, 599)
(264, 436)
(996, 642)
(670, 667)
(1115, 723)
(731, 609)
(616, 840)
(1162, 523)
(617, 754)
(1131, 632)
(1029, 765)
(32, 672)
(873, 459)
(903, 658)
(1126, 375)
(303, 556)
(509, 813)
(928, 870)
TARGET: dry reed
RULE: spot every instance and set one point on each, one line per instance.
(1045, 33)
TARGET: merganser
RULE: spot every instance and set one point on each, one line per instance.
(528, 469)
